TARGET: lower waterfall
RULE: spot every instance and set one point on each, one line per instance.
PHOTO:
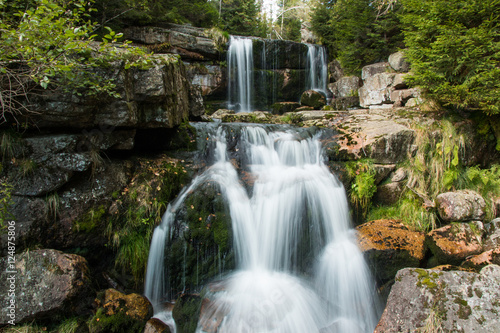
(298, 268)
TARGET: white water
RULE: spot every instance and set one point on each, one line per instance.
(317, 67)
(240, 74)
(298, 267)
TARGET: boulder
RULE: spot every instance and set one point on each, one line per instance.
(284, 107)
(398, 62)
(390, 246)
(461, 206)
(133, 305)
(373, 69)
(492, 235)
(388, 194)
(117, 312)
(346, 86)
(196, 107)
(313, 99)
(453, 243)
(43, 283)
(401, 97)
(376, 89)
(211, 79)
(155, 325)
(453, 301)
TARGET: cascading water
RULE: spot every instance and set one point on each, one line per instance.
(240, 74)
(317, 67)
(298, 266)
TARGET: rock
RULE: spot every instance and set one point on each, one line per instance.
(376, 89)
(186, 312)
(188, 42)
(279, 54)
(398, 62)
(388, 194)
(283, 107)
(149, 98)
(313, 99)
(492, 235)
(371, 70)
(452, 301)
(222, 112)
(335, 71)
(390, 246)
(413, 102)
(47, 283)
(479, 261)
(453, 243)
(40, 181)
(382, 171)
(155, 325)
(345, 103)
(399, 175)
(133, 305)
(346, 86)
(211, 79)
(401, 97)
(461, 206)
(196, 107)
(117, 312)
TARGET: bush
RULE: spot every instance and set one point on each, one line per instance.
(454, 49)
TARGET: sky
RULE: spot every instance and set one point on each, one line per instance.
(270, 8)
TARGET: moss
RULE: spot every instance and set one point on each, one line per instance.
(116, 323)
(464, 310)
(89, 221)
(186, 313)
(426, 279)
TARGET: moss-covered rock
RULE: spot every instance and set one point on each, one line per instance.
(313, 99)
(186, 313)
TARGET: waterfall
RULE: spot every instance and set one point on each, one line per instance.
(298, 268)
(240, 74)
(317, 67)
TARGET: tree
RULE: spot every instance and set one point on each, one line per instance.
(51, 46)
(454, 49)
(241, 17)
(356, 33)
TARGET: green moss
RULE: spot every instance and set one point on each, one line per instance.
(464, 310)
(426, 279)
(117, 323)
(186, 313)
(89, 221)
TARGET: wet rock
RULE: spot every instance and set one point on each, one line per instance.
(40, 181)
(313, 99)
(398, 62)
(452, 301)
(196, 107)
(346, 86)
(47, 283)
(284, 107)
(390, 246)
(461, 206)
(453, 243)
(155, 325)
(279, 54)
(186, 312)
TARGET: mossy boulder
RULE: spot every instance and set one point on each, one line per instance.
(186, 313)
(390, 246)
(283, 107)
(313, 99)
(453, 301)
(461, 206)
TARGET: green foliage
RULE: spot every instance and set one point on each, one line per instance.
(5, 202)
(241, 17)
(141, 208)
(123, 13)
(50, 45)
(362, 176)
(454, 49)
(355, 33)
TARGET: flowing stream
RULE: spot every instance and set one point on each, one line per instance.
(298, 268)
